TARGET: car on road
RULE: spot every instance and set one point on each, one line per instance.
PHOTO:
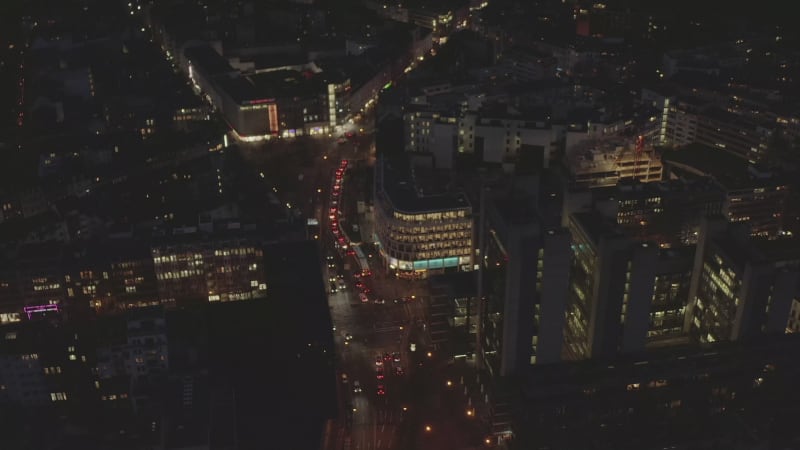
(333, 288)
(396, 357)
(387, 357)
(348, 337)
(380, 301)
(360, 284)
(344, 378)
(356, 387)
(363, 297)
(379, 374)
(378, 360)
(381, 390)
(399, 371)
(342, 285)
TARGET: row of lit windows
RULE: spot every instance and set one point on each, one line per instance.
(52, 370)
(452, 226)
(440, 215)
(46, 287)
(134, 281)
(176, 258)
(431, 246)
(448, 253)
(179, 274)
(238, 252)
(421, 238)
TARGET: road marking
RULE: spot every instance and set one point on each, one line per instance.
(379, 443)
(383, 428)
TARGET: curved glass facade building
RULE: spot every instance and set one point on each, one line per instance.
(417, 233)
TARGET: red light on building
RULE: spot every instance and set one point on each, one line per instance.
(272, 112)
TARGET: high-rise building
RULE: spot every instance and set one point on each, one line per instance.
(525, 276)
(741, 286)
(668, 213)
(624, 295)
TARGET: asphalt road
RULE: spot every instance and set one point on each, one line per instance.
(411, 401)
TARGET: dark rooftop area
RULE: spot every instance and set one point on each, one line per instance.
(401, 189)
(208, 60)
(730, 171)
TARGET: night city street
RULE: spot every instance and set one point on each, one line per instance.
(385, 225)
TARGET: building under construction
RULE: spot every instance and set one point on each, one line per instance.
(605, 161)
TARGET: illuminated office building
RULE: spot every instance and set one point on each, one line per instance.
(624, 295)
(741, 287)
(211, 271)
(419, 232)
(750, 194)
(524, 279)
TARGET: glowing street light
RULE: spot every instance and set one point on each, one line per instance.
(428, 428)
(449, 383)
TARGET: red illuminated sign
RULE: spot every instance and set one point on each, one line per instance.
(262, 101)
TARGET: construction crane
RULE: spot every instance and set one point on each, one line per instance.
(637, 154)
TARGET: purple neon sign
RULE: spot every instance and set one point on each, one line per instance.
(40, 309)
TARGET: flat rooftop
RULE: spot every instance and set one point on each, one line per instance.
(208, 61)
(728, 170)
(398, 183)
(596, 226)
(266, 85)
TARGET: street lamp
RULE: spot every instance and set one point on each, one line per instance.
(449, 383)
(470, 413)
(428, 428)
